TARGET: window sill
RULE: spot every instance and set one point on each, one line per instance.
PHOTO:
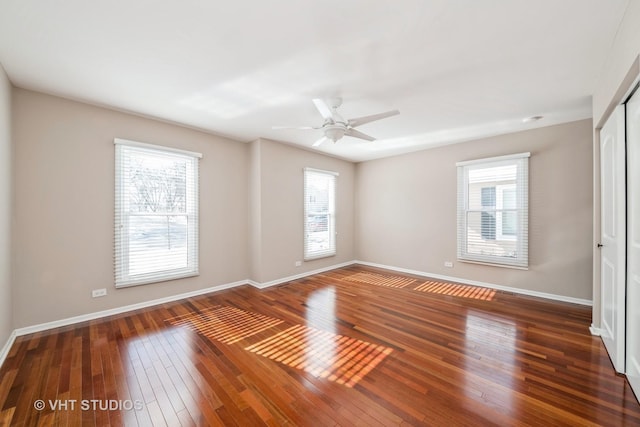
(148, 281)
(319, 257)
(491, 264)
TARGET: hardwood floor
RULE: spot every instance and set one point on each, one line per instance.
(354, 346)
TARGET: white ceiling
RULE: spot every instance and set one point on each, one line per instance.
(456, 70)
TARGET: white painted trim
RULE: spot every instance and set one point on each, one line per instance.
(483, 284)
(119, 310)
(299, 276)
(146, 146)
(124, 309)
(321, 171)
(634, 382)
(7, 347)
(96, 315)
(494, 159)
(632, 88)
(596, 332)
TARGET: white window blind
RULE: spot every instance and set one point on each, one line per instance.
(493, 210)
(156, 213)
(319, 213)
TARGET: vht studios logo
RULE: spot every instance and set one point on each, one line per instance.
(88, 405)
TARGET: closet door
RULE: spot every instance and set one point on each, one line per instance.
(613, 236)
(633, 242)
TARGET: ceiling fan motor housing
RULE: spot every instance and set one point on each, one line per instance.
(334, 131)
(335, 127)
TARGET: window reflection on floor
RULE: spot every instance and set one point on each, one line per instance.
(320, 310)
(490, 348)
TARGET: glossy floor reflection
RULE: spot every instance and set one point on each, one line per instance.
(326, 350)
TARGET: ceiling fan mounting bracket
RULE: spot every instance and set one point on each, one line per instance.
(334, 103)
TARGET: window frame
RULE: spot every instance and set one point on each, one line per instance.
(521, 260)
(122, 248)
(331, 215)
(500, 211)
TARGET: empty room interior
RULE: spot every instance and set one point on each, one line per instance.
(320, 213)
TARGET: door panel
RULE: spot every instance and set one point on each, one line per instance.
(613, 233)
(609, 298)
(633, 245)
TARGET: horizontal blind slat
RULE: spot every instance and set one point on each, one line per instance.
(319, 213)
(156, 214)
(493, 211)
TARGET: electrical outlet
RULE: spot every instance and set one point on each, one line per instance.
(99, 293)
(448, 264)
(298, 263)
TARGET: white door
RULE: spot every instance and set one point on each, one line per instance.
(613, 236)
(633, 245)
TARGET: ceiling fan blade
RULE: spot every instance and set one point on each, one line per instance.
(294, 127)
(357, 134)
(320, 141)
(372, 118)
(324, 109)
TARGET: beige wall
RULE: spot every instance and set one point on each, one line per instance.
(280, 205)
(406, 210)
(64, 198)
(618, 75)
(255, 212)
(6, 307)
(398, 211)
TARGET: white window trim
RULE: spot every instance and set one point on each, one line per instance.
(121, 243)
(331, 218)
(522, 261)
(494, 159)
(129, 143)
(500, 209)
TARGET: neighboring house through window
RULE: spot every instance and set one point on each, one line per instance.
(319, 213)
(493, 210)
(156, 213)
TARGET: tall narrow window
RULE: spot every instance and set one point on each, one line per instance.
(156, 213)
(319, 213)
(493, 210)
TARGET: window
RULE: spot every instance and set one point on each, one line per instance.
(493, 210)
(156, 213)
(319, 213)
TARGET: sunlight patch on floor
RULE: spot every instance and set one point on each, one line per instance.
(381, 279)
(323, 354)
(225, 324)
(452, 289)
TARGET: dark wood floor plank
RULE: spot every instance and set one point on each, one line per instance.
(451, 360)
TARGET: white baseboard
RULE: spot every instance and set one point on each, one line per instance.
(7, 347)
(99, 314)
(264, 285)
(124, 309)
(595, 331)
(483, 284)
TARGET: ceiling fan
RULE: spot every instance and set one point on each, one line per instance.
(335, 127)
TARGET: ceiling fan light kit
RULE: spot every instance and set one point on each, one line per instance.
(334, 132)
(335, 127)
